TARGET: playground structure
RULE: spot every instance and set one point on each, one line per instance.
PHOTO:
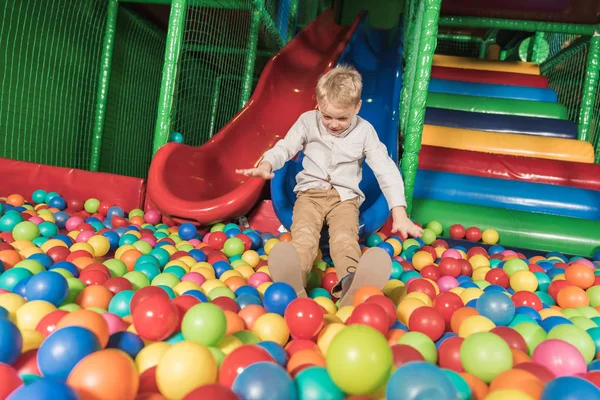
(525, 97)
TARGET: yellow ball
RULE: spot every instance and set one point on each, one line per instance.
(344, 313)
(264, 269)
(11, 302)
(28, 252)
(151, 355)
(134, 233)
(406, 308)
(73, 234)
(202, 264)
(251, 257)
(119, 252)
(83, 246)
(549, 312)
(470, 294)
(100, 244)
(421, 259)
(30, 314)
(478, 261)
(228, 274)
(396, 245)
(262, 288)
(479, 273)
(21, 244)
(188, 261)
(184, 286)
(508, 394)
(206, 273)
(229, 344)
(475, 324)
(210, 285)
(523, 281)
(559, 277)
(269, 244)
(439, 251)
(327, 304)
(245, 270)
(398, 294)
(332, 319)
(184, 367)
(327, 334)
(391, 285)
(490, 236)
(177, 263)
(53, 243)
(170, 249)
(32, 339)
(421, 296)
(47, 217)
(271, 327)
(457, 290)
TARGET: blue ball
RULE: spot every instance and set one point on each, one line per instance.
(399, 325)
(4, 313)
(255, 239)
(221, 267)
(594, 366)
(11, 342)
(113, 239)
(176, 137)
(233, 232)
(495, 250)
(419, 380)
(67, 265)
(197, 255)
(276, 351)
(21, 287)
(497, 307)
(129, 342)
(115, 211)
(48, 286)
(278, 296)
(554, 271)
(597, 256)
(318, 292)
(265, 381)
(50, 196)
(247, 289)
(530, 312)
(494, 288)
(197, 294)
(58, 202)
(187, 231)
(42, 258)
(446, 336)
(10, 278)
(44, 389)
(570, 388)
(63, 349)
(387, 247)
(471, 303)
(65, 239)
(246, 299)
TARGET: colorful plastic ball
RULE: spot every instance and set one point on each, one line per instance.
(497, 307)
(560, 357)
(370, 314)
(233, 246)
(490, 236)
(457, 231)
(48, 286)
(373, 240)
(577, 337)
(428, 321)
(11, 342)
(210, 391)
(9, 380)
(304, 318)
(570, 388)
(62, 350)
(239, 359)
(271, 327)
(265, 381)
(128, 342)
(155, 318)
(419, 380)
(187, 231)
(204, 323)
(359, 359)
(314, 383)
(276, 351)
(87, 319)
(44, 389)
(485, 355)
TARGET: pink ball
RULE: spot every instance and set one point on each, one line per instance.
(451, 253)
(194, 242)
(446, 283)
(205, 238)
(195, 277)
(150, 240)
(152, 217)
(408, 282)
(4, 291)
(398, 258)
(114, 322)
(36, 220)
(585, 262)
(560, 357)
(257, 278)
(73, 223)
(84, 236)
(509, 253)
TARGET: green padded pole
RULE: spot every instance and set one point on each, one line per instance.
(292, 19)
(169, 74)
(534, 231)
(589, 90)
(103, 83)
(416, 114)
(250, 58)
(537, 54)
(518, 25)
(411, 57)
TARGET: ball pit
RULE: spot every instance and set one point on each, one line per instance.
(179, 313)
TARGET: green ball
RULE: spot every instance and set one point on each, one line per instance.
(532, 333)
(218, 355)
(515, 264)
(463, 390)
(10, 278)
(237, 263)
(38, 242)
(545, 298)
(70, 307)
(143, 246)
(520, 319)
(217, 227)
(428, 236)
(185, 247)
(571, 312)
(136, 212)
(408, 243)
(137, 279)
(165, 279)
(65, 273)
(9, 221)
(176, 270)
(583, 323)
(91, 205)
(374, 240)
(75, 287)
(436, 227)
(594, 295)
(204, 323)
(359, 360)
(314, 383)
(38, 196)
(422, 343)
(588, 311)
(48, 229)
(26, 231)
(221, 292)
(485, 355)
(233, 247)
(161, 255)
(116, 267)
(247, 337)
(577, 337)
(35, 267)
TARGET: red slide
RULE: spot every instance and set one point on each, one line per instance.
(199, 183)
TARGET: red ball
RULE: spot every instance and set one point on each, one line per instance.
(237, 361)
(246, 240)
(217, 240)
(27, 363)
(528, 299)
(93, 277)
(103, 207)
(148, 381)
(476, 250)
(423, 286)
(304, 318)
(407, 266)
(535, 268)
(449, 354)
(555, 287)
(178, 254)
(295, 345)
(372, 315)
(473, 234)
(403, 354)
(543, 373)
(388, 306)
(594, 377)
(183, 303)
(79, 254)
(329, 281)
(430, 250)
(74, 205)
(212, 391)
(466, 268)
(58, 253)
(512, 337)
(48, 323)
(431, 272)
(498, 276)
(457, 231)
(225, 303)
(9, 380)
(449, 267)
(440, 243)
(118, 222)
(216, 256)
(446, 304)
(428, 321)
(144, 293)
(155, 318)
(118, 284)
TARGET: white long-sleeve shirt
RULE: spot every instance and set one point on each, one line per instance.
(336, 161)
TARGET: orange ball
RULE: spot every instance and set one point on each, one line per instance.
(15, 200)
(137, 220)
(518, 379)
(94, 296)
(235, 323)
(105, 375)
(82, 262)
(129, 257)
(478, 387)
(364, 293)
(286, 237)
(89, 320)
(250, 314)
(234, 282)
(306, 357)
(519, 356)
(394, 335)
(580, 275)
(572, 297)
(459, 316)
(9, 258)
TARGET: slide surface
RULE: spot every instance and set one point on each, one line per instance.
(376, 54)
(199, 184)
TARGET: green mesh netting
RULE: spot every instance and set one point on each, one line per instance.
(49, 65)
(458, 47)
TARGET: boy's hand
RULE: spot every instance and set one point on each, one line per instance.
(263, 171)
(403, 225)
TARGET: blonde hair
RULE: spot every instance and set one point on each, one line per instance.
(340, 86)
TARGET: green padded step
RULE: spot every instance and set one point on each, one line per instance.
(490, 105)
(516, 228)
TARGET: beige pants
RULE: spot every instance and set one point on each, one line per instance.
(312, 209)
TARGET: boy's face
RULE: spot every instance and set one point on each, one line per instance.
(337, 119)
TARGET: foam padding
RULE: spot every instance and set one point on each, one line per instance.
(508, 143)
(501, 166)
(494, 77)
(516, 228)
(520, 67)
(490, 105)
(534, 126)
(513, 195)
(492, 90)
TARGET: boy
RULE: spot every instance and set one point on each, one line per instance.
(335, 141)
